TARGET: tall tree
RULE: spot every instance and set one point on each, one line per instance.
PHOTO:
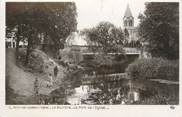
(107, 36)
(159, 29)
(108, 39)
(54, 19)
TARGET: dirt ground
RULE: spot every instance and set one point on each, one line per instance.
(21, 81)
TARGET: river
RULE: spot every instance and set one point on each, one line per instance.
(96, 94)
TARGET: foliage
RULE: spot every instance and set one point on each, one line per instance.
(107, 36)
(72, 77)
(70, 55)
(47, 17)
(159, 29)
(155, 68)
(56, 20)
(126, 33)
(40, 62)
(70, 59)
(37, 60)
(160, 93)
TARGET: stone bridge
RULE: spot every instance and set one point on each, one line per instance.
(85, 50)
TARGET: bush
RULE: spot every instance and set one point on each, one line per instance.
(36, 60)
(69, 55)
(41, 62)
(155, 68)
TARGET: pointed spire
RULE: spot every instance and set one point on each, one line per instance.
(128, 12)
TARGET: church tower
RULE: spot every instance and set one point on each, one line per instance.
(128, 19)
(128, 24)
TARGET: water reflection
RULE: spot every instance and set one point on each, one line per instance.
(103, 93)
(111, 93)
(80, 93)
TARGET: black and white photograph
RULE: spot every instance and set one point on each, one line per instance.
(92, 52)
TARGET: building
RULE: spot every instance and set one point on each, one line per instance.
(128, 24)
(11, 41)
(131, 34)
(130, 31)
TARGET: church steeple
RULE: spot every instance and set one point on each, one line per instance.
(128, 12)
(128, 19)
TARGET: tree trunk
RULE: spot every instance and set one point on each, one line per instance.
(44, 41)
(17, 42)
(28, 48)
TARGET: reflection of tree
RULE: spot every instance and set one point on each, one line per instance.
(103, 61)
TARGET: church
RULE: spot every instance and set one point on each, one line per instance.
(131, 32)
(128, 24)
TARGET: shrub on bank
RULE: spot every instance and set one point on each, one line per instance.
(154, 68)
(69, 55)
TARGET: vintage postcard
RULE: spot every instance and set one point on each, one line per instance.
(92, 56)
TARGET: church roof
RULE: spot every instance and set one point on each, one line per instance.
(128, 12)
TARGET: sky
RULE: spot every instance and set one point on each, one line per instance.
(91, 12)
